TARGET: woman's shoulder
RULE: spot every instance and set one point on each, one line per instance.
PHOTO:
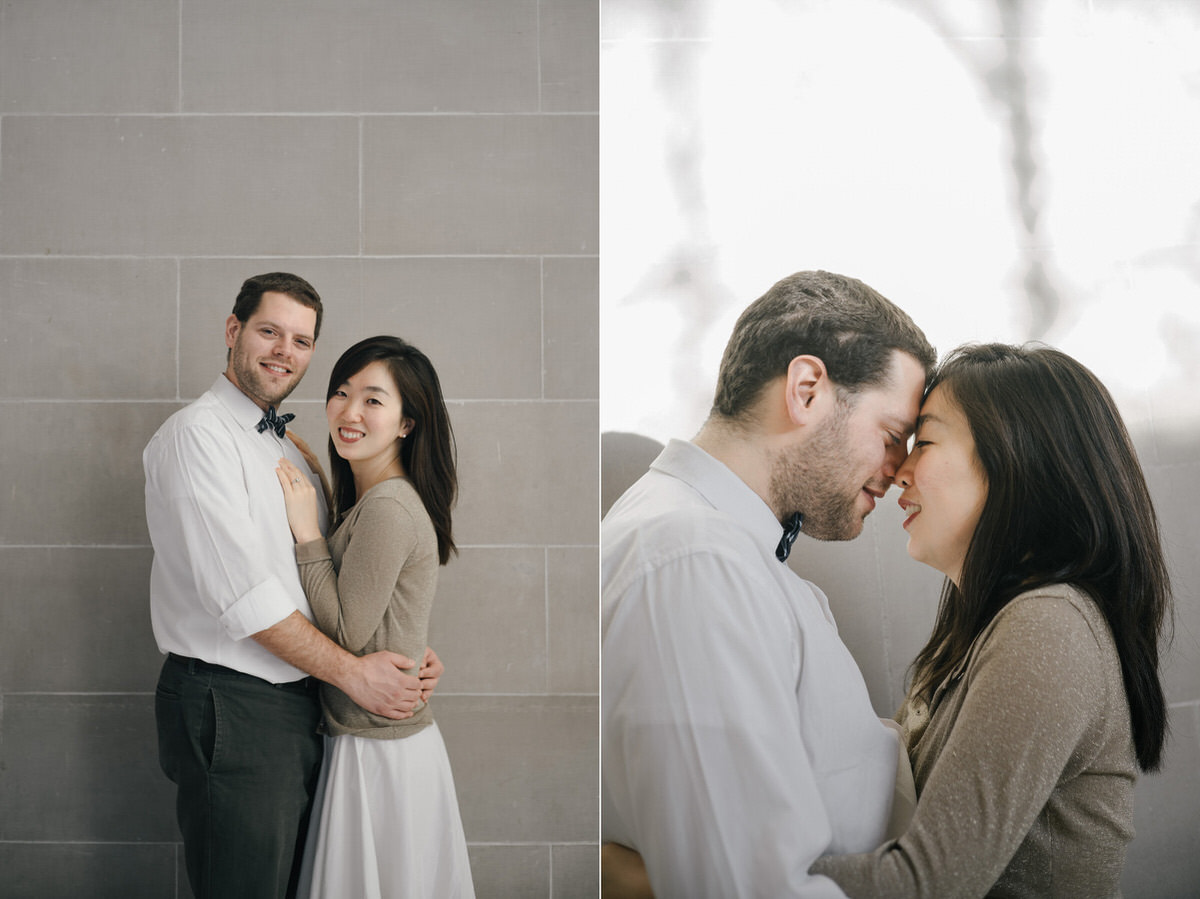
(395, 506)
(396, 491)
(1063, 620)
(1053, 605)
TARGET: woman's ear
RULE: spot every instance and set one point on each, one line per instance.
(406, 426)
(806, 386)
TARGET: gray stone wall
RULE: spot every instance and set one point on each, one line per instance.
(432, 169)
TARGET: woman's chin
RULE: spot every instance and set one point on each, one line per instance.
(916, 555)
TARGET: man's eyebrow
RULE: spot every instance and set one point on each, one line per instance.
(264, 322)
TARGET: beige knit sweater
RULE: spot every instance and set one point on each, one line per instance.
(371, 587)
(1024, 765)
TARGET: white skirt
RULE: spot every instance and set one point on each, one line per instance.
(385, 822)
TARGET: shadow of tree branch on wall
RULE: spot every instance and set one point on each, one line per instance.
(1010, 81)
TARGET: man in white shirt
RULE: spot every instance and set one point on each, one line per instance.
(738, 740)
(237, 710)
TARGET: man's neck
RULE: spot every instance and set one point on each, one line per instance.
(262, 404)
(743, 451)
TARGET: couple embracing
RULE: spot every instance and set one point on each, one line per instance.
(741, 755)
(292, 713)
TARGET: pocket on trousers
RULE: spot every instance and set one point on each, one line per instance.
(187, 729)
(168, 716)
(206, 737)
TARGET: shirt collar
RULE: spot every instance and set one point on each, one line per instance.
(244, 410)
(727, 493)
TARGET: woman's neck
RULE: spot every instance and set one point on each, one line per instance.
(369, 473)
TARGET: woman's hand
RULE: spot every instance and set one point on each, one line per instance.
(300, 498)
(311, 458)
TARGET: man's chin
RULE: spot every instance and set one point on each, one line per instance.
(830, 532)
(273, 394)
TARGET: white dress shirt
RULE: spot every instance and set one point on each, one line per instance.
(224, 558)
(738, 741)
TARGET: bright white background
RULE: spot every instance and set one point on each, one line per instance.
(747, 139)
(1001, 170)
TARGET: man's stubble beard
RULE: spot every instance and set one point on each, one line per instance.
(815, 479)
(253, 382)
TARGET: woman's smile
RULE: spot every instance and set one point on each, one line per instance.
(942, 478)
(913, 510)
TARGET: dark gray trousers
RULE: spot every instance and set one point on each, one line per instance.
(245, 755)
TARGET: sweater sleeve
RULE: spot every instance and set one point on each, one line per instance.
(1033, 689)
(349, 602)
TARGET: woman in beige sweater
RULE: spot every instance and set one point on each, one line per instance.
(1037, 699)
(386, 820)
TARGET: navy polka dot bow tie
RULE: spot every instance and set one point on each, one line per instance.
(278, 423)
(791, 528)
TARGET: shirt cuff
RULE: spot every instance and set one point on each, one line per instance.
(261, 607)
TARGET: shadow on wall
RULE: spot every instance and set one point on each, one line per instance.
(624, 457)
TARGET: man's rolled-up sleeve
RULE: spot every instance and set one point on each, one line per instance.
(197, 502)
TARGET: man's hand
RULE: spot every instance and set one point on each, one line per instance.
(623, 874)
(431, 671)
(378, 683)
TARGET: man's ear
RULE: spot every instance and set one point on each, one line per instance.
(806, 386)
(232, 326)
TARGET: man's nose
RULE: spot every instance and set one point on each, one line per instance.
(894, 461)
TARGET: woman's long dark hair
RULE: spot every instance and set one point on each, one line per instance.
(427, 453)
(1066, 503)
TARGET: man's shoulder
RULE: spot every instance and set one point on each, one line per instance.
(648, 534)
(676, 524)
(661, 508)
(205, 411)
(201, 422)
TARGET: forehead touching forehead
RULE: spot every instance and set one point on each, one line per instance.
(897, 399)
(938, 406)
